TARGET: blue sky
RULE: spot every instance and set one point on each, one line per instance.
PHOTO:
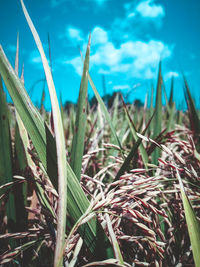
(128, 39)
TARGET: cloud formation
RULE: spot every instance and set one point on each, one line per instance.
(121, 87)
(120, 49)
(136, 58)
(99, 36)
(171, 74)
(35, 57)
(139, 18)
(74, 34)
(148, 9)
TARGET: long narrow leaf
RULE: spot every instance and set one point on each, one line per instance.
(192, 223)
(81, 118)
(45, 146)
(132, 153)
(106, 114)
(134, 133)
(60, 146)
(193, 114)
(6, 154)
(158, 115)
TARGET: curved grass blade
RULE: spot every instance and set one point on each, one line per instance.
(114, 241)
(44, 144)
(193, 114)
(25, 161)
(106, 114)
(192, 223)
(81, 118)
(29, 114)
(132, 153)
(151, 109)
(60, 147)
(171, 118)
(158, 115)
(21, 199)
(171, 93)
(134, 131)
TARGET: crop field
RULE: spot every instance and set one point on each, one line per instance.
(97, 184)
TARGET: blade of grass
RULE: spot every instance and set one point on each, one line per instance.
(132, 153)
(26, 162)
(44, 144)
(193, 114)
(21, 189)
(151, 108)
(30, 116)
(81, 118)
(62, 111)
(60, 147)
(192, 223)
(134, 131)
(42, 101)
(171, 118)
(171, 92)
(114, 241)
(6, 156)
(158, 115)
(106, 114)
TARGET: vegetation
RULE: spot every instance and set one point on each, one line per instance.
(96, 184)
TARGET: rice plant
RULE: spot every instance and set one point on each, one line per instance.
(92, 185)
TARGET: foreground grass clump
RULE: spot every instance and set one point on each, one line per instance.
(91, 185)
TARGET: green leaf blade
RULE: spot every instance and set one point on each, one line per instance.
(192, 224)
(81, 118)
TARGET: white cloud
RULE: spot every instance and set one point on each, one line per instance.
(145, 53)
(131, 15)
(171, 74)
(35, 57)
(99, 36)
(121, 87)
(106, 54)
(76, 63)
(74, 34)
(135, 58)
(148, 9)
(138, 20)
(132, 58)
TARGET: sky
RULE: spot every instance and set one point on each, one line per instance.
(128, 39)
